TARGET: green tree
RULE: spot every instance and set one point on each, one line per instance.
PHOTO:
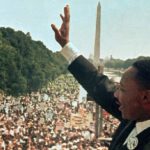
(26, 65)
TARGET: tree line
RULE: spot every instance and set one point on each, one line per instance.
(122, 64)
(26, 65)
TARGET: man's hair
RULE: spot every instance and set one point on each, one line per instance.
(143, 72)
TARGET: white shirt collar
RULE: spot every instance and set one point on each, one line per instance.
(141, 126)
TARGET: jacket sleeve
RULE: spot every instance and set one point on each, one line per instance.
(98, 86)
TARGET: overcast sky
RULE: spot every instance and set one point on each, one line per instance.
(125, 24)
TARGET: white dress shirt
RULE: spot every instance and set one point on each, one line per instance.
(70, 52)
(139, 127)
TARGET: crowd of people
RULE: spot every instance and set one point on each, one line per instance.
(52, 119)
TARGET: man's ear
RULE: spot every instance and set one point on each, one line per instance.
(145, 100)
(145, 103)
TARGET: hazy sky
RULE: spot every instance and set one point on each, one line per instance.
(125, 24)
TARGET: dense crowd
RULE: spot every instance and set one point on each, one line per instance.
(52, 119)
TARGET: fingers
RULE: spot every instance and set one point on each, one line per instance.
(57, 34)
(67, 13)
(62, 17)
(66, 17)
(55, 29)
(62, 34)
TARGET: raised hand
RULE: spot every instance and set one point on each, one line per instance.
(62, 34)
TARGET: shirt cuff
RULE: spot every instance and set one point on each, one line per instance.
(70, 52)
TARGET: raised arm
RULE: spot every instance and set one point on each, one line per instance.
(97, 85)
(62, 34)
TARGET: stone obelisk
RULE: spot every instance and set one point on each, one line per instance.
(97, 37)
(99, 117)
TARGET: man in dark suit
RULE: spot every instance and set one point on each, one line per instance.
(130, 103)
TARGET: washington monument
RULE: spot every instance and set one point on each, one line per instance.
(99, 117)
(97, 37)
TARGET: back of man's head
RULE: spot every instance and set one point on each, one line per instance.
(143, 72)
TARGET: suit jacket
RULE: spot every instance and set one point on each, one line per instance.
(101, 89)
